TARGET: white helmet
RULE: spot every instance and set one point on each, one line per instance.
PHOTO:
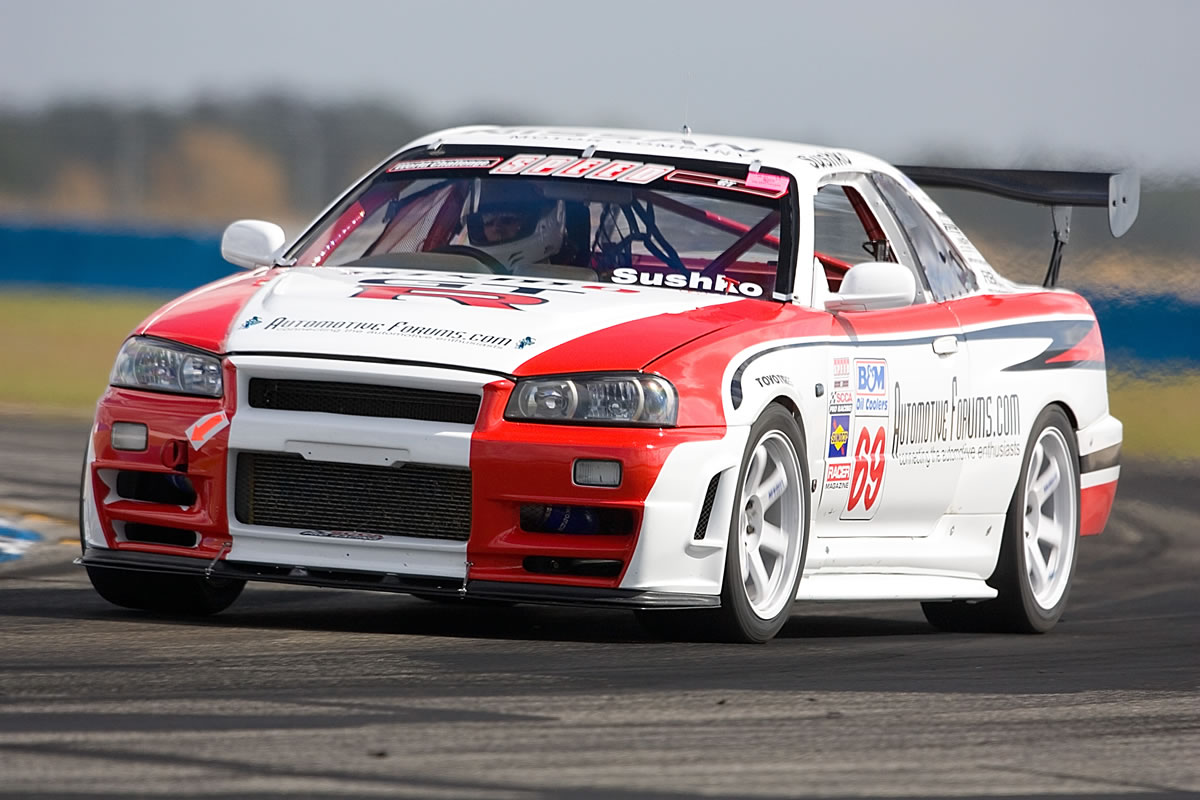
(515, 224)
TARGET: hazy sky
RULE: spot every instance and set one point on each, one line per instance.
(1100, 83)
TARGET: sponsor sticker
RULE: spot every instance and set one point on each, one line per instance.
(387, 289)
(773, 380)
(397, 328)
(250, 323)
(841, 401)
(827, 160)
(870, 387)
(721, 182)
(444, 163)
(764, 180)
(355, 535)
(839, 435)
(837, 476)
(206, 428)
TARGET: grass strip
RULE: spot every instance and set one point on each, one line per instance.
(63, 345)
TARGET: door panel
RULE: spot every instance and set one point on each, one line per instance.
(889, 468)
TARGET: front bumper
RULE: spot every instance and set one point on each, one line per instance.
(431, 585)
(666, 473)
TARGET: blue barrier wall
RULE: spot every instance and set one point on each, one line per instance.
(143, 260)
(1151, 330)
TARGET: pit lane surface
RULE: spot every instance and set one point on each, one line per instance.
(322, 693)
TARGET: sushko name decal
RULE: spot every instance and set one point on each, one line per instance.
(693, 280)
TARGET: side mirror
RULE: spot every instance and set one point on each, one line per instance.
(874, 285)
(251, 243)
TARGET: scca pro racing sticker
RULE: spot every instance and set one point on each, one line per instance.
(596, 169)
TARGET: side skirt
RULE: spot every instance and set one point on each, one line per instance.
(891, 586)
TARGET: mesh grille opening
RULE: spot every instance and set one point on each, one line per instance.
(364, 400)
(287, 491)
(706, 510)
(170, 488)
(158, 534)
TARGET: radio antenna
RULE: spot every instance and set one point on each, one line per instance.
(686, 129)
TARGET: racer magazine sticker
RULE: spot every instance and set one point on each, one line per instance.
(837, 475)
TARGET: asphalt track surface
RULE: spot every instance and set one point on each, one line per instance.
(324, 693)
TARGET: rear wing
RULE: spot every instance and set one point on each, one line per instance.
(1119, 192)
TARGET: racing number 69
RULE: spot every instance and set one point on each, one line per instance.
(869, 461)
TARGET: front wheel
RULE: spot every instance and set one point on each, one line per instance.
(1038, 552)
(768, 531)
(768, 537)
(160, 593)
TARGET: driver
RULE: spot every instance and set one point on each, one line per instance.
(515, 223)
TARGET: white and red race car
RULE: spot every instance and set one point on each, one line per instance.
(697, 377)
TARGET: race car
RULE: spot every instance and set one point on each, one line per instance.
(702, 378)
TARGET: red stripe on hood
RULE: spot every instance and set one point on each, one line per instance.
(632, 345)
(202, 317)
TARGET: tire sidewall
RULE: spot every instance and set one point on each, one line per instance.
(751, 626)
(1041, 619)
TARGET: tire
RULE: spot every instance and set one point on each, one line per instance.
(754, 614)
(184, 595)
(160, 593)
(1040, 546)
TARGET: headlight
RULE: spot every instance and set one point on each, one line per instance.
(166, 367)
(604, 399)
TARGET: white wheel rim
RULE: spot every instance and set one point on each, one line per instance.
(1048, 526)
(769, 524)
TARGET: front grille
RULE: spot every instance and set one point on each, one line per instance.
(364, 400)
(287, 491)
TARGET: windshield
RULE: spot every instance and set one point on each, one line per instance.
(562, 216)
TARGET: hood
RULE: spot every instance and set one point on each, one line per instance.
(496, 323)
